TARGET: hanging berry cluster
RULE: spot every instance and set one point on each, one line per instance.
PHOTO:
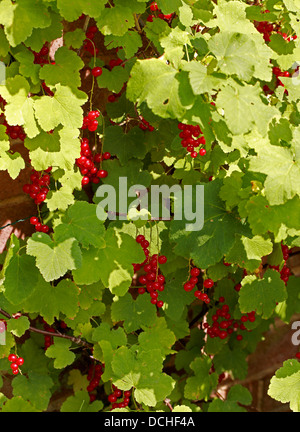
(224, 325)
(90, 164)
(156, 13)
(193, 281)
(191, 139)
(48, 340)
(38, 190)
(144, 125)
(266, 28)
(90, 34)
(15, 363)
(114, 398)
(285, 272)
(94, 376)
(152, 281)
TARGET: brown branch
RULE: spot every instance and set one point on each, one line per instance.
(76, 340)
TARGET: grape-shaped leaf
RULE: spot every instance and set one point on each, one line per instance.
(63, 108)
(81, 222)
(282, 167)
(158, 336)
(241, 105)
(163, 98)
(35, 388)
(116, 337)
(60, 352)
(21, 278)
(200, 385)
(71, 11)
(262, 295)
(19, 19)
(18, 326)
(130, 42)
(285, 385)
(80, 402)
(54, 260)
(67, 63)
(133, 313)
(18, 404)
(19, 108)
(236, 395)
(116, 20)
(51, 301)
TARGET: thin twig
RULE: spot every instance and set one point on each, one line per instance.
(78, 341)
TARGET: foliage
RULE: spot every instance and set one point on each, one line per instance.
(194, 93)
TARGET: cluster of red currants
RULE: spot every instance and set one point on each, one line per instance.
(285, 272)
(227, 325)
(48, 340)
(89, 45)
(193, 281)
(152, 281)
(15, 363)
(266, 28)
(119, 394)
(88, 162)
(42, 57)
(191, 139)
(144, 125)
(38, 190)
(90, 121)
(94, 376)
(156, 13)
(14, 132)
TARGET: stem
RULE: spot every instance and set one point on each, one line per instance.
(78, 341)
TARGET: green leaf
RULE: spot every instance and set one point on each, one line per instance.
(71, 11)
(116, 337)
(262, 295)
(81, 222)
(115, 20)
(291, 305)
(241, 104)
(168, 6)
(19, 19)
(13, 163)
(21, 278)
(74, 38)
(125, 146)
(35, 388)
(163, 98)
(112, 264)
(18, 326)
(134, 313)
(51, 301)
(285, 385)
(158, 336)
(60, 352)
(18, 404)
(113, 80)
(237, 394)
(200, 385)
(80, 402)
(39, 36)
(54, 260)
(19, 109)
(282, 167)
(131, 41)
(64, 108)
(216, 238)
(67, 63)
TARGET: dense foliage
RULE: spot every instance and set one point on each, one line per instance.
(142, 314)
